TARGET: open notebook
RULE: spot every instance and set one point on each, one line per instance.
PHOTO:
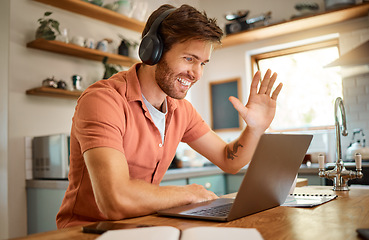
(172, 233)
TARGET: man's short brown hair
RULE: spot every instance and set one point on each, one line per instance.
(185, 23)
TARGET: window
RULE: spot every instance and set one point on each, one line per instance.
(309, 89)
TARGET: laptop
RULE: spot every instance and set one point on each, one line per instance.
(266, 183)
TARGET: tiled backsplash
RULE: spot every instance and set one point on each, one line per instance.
(356, 99)
(355, 88)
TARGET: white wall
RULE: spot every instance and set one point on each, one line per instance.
(4, 69)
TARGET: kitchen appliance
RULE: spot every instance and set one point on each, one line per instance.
(357, 146)
(332, 4)
(239, 21)
(50, 156)
(355, 57)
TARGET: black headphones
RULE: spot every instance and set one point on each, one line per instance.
(151, 47)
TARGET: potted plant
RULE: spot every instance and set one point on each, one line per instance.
(48, 27)
(110, 69)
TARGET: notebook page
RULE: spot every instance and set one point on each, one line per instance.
(220, 233)
(147, 233)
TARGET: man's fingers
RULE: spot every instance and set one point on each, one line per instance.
(237, 104)
(265, 83)
(255, 83)
(271, 83)
(277, 91)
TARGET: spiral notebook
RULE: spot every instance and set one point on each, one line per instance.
(307, 200)
(308, 197)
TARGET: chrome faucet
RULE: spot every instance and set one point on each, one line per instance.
(339, 174)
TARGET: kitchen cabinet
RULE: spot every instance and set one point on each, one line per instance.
(313, 179)
(296, 25)
(214, 183)
(233, 182)
(44, 198)
(42, 207)
(93, 11)
(177, 182)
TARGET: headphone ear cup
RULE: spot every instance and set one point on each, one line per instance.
(151, 49)
(151, 46)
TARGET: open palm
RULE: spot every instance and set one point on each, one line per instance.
(261, 106)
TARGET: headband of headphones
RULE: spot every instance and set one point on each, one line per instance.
(151, 47)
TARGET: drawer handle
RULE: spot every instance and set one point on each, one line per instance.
(207, 185)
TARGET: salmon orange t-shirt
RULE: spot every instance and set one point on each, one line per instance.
(111, 113)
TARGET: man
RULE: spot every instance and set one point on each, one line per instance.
(126, 129)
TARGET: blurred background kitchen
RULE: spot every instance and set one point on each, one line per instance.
(40, 81)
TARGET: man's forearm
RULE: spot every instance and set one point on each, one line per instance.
(142, 198)
(239, 152)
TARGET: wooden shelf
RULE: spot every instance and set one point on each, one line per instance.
(81, 52)
(96, 12)
(54, 92)
(296, 25)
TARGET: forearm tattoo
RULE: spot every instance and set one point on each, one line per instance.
(231, 153)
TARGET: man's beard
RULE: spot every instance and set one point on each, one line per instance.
(167, 80)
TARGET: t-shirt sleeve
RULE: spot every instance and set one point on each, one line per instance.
(99, 120)
(197, 127)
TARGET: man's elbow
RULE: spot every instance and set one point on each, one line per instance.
(117, 211)
(112, 211)
(231, 170)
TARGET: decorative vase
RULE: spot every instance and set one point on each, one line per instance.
(123, 48)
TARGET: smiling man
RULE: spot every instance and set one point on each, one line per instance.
(126, 129)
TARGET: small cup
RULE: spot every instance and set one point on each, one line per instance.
(90, 43)
(76, 79)
(102, 45)
(78, 40)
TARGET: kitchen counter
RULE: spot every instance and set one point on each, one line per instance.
(337, 219)
(172, 174)
(181, 173)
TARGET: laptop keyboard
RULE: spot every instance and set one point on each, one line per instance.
(220, 211)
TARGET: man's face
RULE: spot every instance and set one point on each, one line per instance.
(182, 66)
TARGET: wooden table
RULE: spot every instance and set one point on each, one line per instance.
(337, 219)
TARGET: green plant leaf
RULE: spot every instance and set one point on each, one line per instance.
(55, 25)
(47, 14)
(43, 24)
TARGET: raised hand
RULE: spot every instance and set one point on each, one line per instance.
(261, 106)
